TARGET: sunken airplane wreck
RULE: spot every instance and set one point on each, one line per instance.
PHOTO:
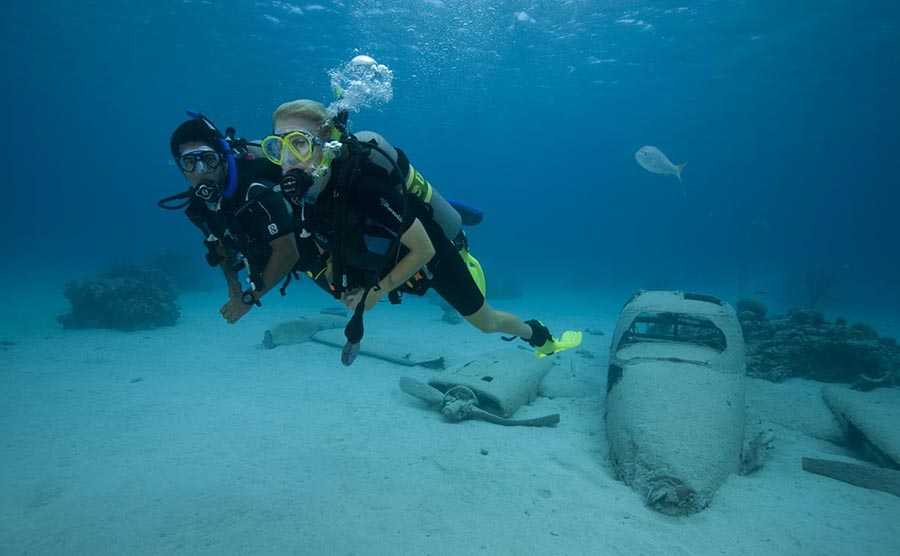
(675, 398)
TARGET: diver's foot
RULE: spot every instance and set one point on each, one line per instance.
(543, 342)
(540, 334)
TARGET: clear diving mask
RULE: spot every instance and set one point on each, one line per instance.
(200, 161)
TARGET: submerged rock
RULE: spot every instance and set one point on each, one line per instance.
(751, 309)
(803, 344)
(124, 298)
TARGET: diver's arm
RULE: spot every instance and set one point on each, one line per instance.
(421, 250)
(283, 258)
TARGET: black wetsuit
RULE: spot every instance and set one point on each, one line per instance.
(375, 219)
(265, 218)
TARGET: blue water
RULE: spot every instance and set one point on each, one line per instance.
(786, 113)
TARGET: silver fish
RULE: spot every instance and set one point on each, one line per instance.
(653, 160)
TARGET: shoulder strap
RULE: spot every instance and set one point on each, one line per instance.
(348, 171)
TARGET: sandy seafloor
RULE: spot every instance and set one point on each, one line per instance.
(193, 440)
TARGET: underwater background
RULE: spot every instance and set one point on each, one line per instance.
(128, 435)
(785, 112)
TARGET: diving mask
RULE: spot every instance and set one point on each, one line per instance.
(199, 161)
(300, 144)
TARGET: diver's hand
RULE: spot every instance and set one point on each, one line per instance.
(234, 309)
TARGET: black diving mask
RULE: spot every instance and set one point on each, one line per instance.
(200, 160)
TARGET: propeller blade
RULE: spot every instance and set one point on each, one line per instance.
(546, 421)
(421, 390)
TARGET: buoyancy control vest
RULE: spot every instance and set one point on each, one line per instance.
(362, 249)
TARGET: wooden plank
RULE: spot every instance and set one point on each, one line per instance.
(866, 476)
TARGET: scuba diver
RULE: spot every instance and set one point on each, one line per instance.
(245, 223)
(380, 227)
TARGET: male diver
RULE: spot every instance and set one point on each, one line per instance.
(379, 225)
(245, 224)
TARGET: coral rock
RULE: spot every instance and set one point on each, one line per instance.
(125, 298)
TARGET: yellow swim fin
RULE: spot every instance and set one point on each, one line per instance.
(569, 339)
(544, 343)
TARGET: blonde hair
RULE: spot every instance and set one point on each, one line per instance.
(306, 109)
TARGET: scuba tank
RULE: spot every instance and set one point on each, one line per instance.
(391, 159)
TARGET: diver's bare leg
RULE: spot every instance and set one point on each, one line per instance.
(488, 320)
